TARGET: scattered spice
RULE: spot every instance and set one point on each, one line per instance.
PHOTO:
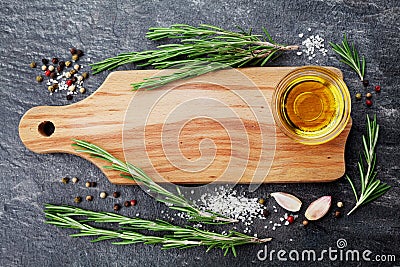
(72, 50)
(368, 95)
(377, 88)
(265, 213)
(116, 194)
(87, 184)
(103, 195)
(305, 222)
(54, 60)
(79, 53)
(32, 65)
(68, 64)
(85, 75)
(69, 97)
(75, 180)
(77, 67)
(65, 180)
(133, 202)
(39, 78)
(365, 83)
(47, 73)
(261, 201)
(44, 67)
(51, 68)
(117, 207)
(82, 90)
(53, 75)
(50, 88)
(340, 204)
(337, 214)
(290, 219)
(368, 102)
(72, 72)
(127, 203)
(45, 61)
(93, 184)
(89, 198)
(358, 96)
(77, 199)
(75, 57)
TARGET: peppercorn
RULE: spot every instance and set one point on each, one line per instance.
(75, 57)
(68, 82)
(51, 68)
(47, 73)
(61, 64)
(290, 219)
(79, 53)
(55, 85)
(45, 61)
(116, 194)
(64, 180)
(77, 67)
(261, 201)
(368, 95)
(103, 195)
(87, 184)
(67, 75)
(93, 184)
(337, 214)
(53, 75)
(72, 50)
(265, 213)
(44, 67)
(133, 202)
(68, 64)
(117, 207)
(75, 180)
(127, 203)
(340, 204)
(80, 78)
(77, 199)
(82, 90)
(89, 198)
(69, 97)
(368, 102)
(377, 88)
(59, 69)
(72, 72)
(32, 65)
(50, 88)
(73, 79)
(54, 60)
(365, 83)
(39, 78)
(305, 222)
(71, 88)
(85, 75)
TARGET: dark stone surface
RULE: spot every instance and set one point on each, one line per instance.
(31, 30)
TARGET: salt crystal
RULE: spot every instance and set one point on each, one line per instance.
(281, 219)
(286, 223)
(309, 29)
(299, 53)
(301, 35)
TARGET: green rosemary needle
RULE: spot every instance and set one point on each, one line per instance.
(180, 237)
(174, 201)
(371, 188)
(349, 56)
(199, 47)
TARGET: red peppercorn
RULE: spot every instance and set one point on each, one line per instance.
(290, 219)
(368, 102)
(47, 73)
(377, 88)
(68, 82)
(133, 202)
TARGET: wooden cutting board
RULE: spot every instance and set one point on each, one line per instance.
(217, 127)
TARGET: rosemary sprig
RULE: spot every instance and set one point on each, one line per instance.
(371, 188)
(174, 201)
(180, 237)
(199, 48)
(349, 56)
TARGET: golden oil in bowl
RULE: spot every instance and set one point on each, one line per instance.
(312, 105)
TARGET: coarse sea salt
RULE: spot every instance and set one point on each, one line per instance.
(313, 45)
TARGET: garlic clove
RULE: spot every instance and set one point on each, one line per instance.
(318, 208)
(287, 201)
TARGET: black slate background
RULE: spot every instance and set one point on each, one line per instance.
(31, 30)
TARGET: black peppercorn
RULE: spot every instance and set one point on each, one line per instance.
(116, 194)
(337, 214)
(45, 61)
(59, 69)
(79, 53)
(93, 184)
(73, 79)
(265, 213)
(53, 75)
(117, 207)
(72, 50)
(127, 203)
(365, 83)
(54, 60)
(69, 97)
(61, 64)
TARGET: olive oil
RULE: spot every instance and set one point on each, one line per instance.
(312, 105)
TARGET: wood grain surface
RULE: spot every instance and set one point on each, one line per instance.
(217, 127)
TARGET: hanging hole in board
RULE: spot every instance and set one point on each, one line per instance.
(46, 128)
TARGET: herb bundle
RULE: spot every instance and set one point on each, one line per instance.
(174, 201)
(350, 57)
(201, 50)
(180, 237)
(371, 188)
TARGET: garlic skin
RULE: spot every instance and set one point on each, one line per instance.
(318, 208)
(287, 201)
